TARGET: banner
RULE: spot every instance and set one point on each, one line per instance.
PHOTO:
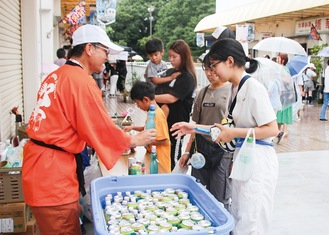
(93, 15)
(106, 11)
(314, 34)
(77, 15)
(69, 32)
(251, 32)
(200, 39)
(242, 36)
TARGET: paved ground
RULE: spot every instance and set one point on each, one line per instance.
(301, 201)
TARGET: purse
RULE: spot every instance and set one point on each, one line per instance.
(212, 152)
(244, 165)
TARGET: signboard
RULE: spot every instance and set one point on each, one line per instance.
(303, 27)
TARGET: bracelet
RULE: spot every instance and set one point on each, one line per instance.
(188, 153)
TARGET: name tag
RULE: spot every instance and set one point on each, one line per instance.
(208, 105)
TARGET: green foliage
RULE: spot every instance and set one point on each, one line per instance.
(172, 20)
(317, 61)
(315, 49)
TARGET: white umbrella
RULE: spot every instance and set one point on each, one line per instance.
(269, 72)
(137, 57)
(324, 52)
(280, 44)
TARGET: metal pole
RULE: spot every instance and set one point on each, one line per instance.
(150, 24)
(151, 9)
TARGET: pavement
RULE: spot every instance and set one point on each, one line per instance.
(301, 198)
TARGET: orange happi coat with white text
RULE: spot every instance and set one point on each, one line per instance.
(69, 113)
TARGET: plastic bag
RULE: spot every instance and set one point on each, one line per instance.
(179, 170)
(244, 164)
(90, 173)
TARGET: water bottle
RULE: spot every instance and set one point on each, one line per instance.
(154, 161)
(150, 123)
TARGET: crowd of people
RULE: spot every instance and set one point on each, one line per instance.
(70, 115)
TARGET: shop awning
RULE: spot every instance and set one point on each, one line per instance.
(265, 11)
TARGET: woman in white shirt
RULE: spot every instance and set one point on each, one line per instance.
(252, 200)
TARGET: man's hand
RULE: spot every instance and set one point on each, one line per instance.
(143, 138)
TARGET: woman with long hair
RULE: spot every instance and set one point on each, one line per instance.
(179, 93)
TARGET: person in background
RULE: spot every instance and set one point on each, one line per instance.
(155, 71)
(69, 114)
(122, 72)
(297, 106)
(111, 75)
(325, 94)
(209, 107)
(308, 76)
(99, 78)
(143, 94)
(179, 95)
(61, 57)
(284, 116)
(267, 57)
(252, 200)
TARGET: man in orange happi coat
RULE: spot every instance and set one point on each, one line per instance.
(70, 114)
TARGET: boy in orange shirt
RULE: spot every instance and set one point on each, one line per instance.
(143, 94)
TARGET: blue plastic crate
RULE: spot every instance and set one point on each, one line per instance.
(212, 210)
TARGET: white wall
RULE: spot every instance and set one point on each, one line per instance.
(37, 47)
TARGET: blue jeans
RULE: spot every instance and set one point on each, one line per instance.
(324, 105)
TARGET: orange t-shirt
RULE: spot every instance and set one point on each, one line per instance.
(163, 150)
(69, 113)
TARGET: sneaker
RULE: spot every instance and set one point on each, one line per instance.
(280, 136)
(323, 119)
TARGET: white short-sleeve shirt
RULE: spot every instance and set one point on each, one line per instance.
(253, 107)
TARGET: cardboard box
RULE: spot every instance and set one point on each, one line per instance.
(32, 228)
(11, 185)
(13, 217)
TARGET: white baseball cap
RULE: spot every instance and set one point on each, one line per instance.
(94, 34)
(311, 65)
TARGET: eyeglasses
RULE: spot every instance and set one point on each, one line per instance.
(213, 65)
(107, 50)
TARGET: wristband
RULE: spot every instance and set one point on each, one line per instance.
(188, 153)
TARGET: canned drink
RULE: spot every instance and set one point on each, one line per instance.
(137, 226)
(131, 161)
(197, 227)
(126, 230)
(204, 223)
(153, 228)
(165, 225)
(196, 216)
(187, 224)
(135, 169)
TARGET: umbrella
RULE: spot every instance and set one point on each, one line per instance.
(280, 44)
(297, 64)
(324, 52)
(269, 72)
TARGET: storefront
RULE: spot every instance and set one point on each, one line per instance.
(286, 18)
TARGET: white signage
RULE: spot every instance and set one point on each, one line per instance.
(303, 27)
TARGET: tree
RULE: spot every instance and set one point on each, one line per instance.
(177, 20)
(172, 20)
